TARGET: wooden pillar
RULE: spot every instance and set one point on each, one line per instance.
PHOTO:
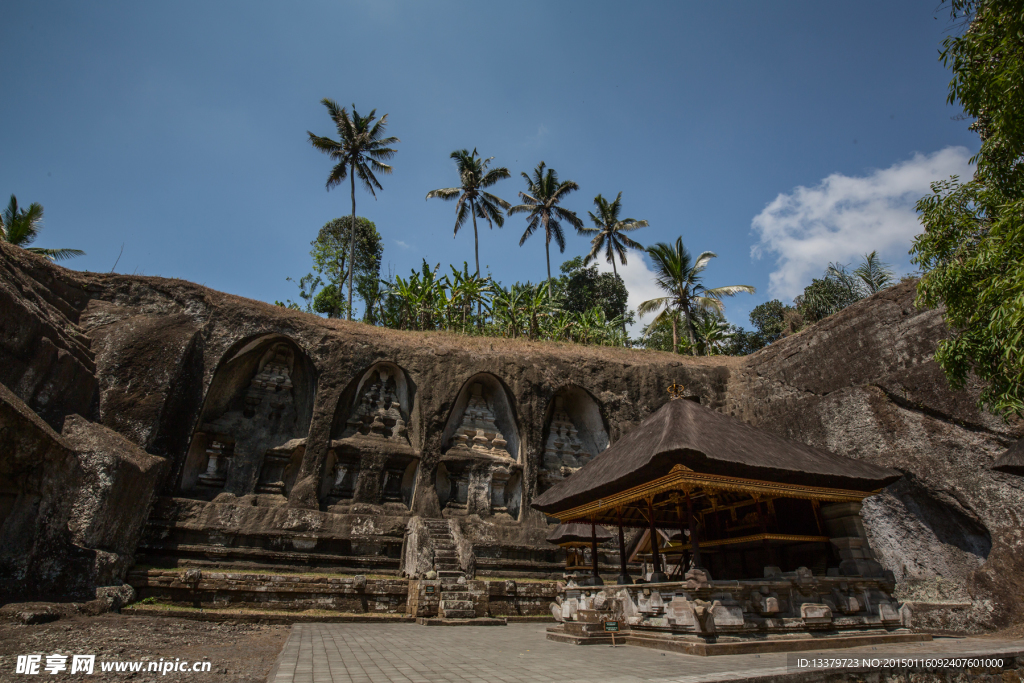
(714, 516)
(769, 553)
(682, 533)
(596, 576)
(624, 577)
(657, 576)
(694, 542)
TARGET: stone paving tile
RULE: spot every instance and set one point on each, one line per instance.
(519, 653)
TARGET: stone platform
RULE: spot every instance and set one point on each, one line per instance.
(403, 653)
(474, 621)
(571, 633)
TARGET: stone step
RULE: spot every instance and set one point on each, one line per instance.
(446, 555)
(449, 574)
(447, 603)
(459, 614)
(450, 596)
(446, 563)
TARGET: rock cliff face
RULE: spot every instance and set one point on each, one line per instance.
(862, 383)
(279, 438)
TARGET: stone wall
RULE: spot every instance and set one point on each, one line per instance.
(351, 595)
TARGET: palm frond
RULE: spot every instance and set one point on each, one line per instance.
(445, 193)
(56, 254)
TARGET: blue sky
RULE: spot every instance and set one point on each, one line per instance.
(781, 136)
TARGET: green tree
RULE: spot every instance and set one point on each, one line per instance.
(360, 150)
(472, 199)
(971, 252)
(582, 288)
(20, 227)
(331, 260)
(771, 320)
(540, 202)
(609, 232)
(836, 290)
(681, 277)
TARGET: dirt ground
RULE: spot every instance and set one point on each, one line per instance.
(237, 652)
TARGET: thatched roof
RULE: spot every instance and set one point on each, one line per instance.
(1012, 461)
(577, 533)
(704, 440)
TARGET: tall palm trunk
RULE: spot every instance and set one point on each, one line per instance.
(476, 249)
(547, 253)
(675, 336)
(687, 320)
(352, 244)
(615, 271)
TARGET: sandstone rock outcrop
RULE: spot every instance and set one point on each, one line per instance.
(326, 437)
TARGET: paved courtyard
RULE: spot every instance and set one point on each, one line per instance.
(519, 653)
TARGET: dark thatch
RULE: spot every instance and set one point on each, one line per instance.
(1012, 461)
(577, 533)
(687, 433)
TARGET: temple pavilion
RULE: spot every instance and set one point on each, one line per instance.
(743, 498)
(775, 522)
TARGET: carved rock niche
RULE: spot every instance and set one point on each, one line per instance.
(371, 458)
(382, 405)
(480, 470)
(251, 434)
(574, 433)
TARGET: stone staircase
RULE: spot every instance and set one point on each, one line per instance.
(446, 557)
(456, 600)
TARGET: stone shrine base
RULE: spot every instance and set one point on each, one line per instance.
(577, 633)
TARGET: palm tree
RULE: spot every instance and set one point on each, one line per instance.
(21, 227)
(543, 193)
(874, 273)
(473, 201)
(680, 277)
(608, 234)
(360, 150)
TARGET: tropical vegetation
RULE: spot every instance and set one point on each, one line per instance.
(473, 200)
(20, 226)
(609, 232)
(541, 204)
(681, 277)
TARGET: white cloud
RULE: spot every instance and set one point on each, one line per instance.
(843, 218)
(639, 280)
(403, 245)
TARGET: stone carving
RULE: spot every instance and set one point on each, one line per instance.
(218, 455)
(392, 488)
(378, 412)
(564, 452)
(344, 474)
(478, 433)
(275, 466)
(273, 381)
(243, 434)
